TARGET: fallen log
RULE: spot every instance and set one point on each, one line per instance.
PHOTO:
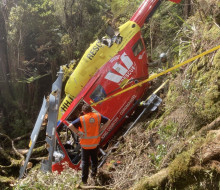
(78, 186)
(12, 158)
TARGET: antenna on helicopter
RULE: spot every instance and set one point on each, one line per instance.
(110, 31)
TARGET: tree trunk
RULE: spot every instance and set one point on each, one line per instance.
(6, 93)
(187, 9)
(4, 71)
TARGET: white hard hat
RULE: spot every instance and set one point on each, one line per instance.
(162, 55)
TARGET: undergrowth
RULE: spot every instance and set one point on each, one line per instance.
(68, 179)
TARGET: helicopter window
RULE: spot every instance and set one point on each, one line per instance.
(98, 94)
(138, 47)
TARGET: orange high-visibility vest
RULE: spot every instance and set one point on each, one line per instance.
(91, 128)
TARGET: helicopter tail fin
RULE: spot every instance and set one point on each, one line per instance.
(146, 10)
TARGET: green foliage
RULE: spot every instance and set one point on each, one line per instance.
(119, 9)
(179, 167)
(34, 29)
(19, 123)
(196, 90)
(172, 96)
(156, 157)
(33, 41)
(27, 18)
(82, 21)
(154, 123)
(203, 79)
(162, 32)
(157, 122)
(32, 79)
(167, 132)
(36, 179)
(15, 22)
(200, 82)
(68, 69)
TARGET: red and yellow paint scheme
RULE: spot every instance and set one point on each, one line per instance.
(107, 66)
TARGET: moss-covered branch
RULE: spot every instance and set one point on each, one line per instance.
(188, 167)
(181, 146)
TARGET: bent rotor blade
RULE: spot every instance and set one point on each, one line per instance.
(34, 135)
(54, 102)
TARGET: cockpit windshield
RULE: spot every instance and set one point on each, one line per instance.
(98, 94)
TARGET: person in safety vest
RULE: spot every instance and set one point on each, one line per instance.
(88, 128)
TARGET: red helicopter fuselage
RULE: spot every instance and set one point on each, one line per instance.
(127, 66)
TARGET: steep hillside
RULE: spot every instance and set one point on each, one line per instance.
(176, 147)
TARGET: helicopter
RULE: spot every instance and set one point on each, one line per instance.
(110, 64)
(102, 51)
(118, 61)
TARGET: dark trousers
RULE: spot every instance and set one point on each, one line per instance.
(86, 155)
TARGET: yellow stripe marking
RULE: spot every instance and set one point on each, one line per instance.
(157, 75)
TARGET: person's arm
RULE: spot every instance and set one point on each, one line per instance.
(73, 127)
(153, 64)
(106, 122)
(105, 125)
